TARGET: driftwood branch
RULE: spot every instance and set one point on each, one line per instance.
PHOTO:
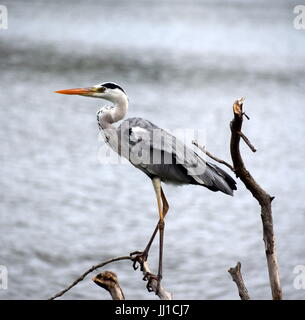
(82, 277)
(247, 141)
(263, 198)
(238, 279)
(148, 276)
(109, 281)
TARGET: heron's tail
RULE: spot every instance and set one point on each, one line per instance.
(220, 180)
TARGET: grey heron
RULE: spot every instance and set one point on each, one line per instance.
(176, 163)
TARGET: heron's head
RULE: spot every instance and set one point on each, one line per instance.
(108, 91)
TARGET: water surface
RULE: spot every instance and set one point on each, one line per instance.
(182, 65)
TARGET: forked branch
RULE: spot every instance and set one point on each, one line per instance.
(108, 280)
(238, 279)
(263, 198)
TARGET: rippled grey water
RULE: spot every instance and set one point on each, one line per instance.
(182, 64)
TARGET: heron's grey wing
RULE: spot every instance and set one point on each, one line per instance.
(146, 153)
(202, 172)
(157, 152)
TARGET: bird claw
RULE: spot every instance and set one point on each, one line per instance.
(149, 277)
(139, 258)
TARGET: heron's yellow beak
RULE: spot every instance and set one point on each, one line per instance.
(79, 91)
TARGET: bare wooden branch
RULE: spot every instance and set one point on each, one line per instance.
(263, 198)
(247, 141)
(204, 150)
(148, 276)
(244, 114)
(238, 279)
(82, 277)
(109, 281)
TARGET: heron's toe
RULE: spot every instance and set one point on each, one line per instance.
(149, 277)
(138, 258)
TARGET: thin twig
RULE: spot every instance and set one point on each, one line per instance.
(148, 276)
(109, 281)
(244, 114)
(238, 279)
(263, 198)
(247, 141)
(82, 277)
(204, 150)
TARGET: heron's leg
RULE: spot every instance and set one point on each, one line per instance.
(165, 208)
(165, 203)
(158, 191)
(144, 254)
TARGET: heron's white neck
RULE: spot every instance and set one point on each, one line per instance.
(120, 108)
(117, 113)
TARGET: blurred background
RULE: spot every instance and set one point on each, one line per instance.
(182, 63)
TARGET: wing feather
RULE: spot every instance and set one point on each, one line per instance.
(177, 162)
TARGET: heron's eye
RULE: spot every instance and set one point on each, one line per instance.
(101, 89)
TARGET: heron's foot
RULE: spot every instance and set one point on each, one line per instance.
(150, 277)
(138, 257)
